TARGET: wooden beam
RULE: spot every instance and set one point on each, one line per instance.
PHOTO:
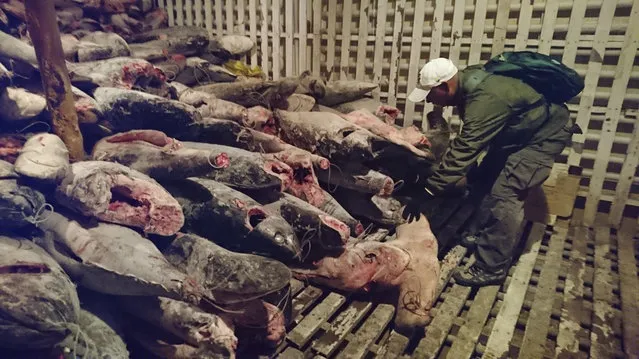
(45, 36)
(303, 40)
(629, 287)
(229, 6)
(317, 26)
(523, 28)
(626, 179)
(288, 33)
(380, 33)
(276, 9)
(548, 26)
(478, 32)
(198, 13)
(435, 49)
(398, 25)
(345, 46)
(188, 9)
(264, 37)
(208, 16)
(415, 61)
(592, 79)
(171, 12)
(364, 13)
(330, 46)
(501, 22)
(219, 17)
(253, 29)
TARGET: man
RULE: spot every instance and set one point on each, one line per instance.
(523, 134)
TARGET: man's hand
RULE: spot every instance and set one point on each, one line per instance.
(414, 204)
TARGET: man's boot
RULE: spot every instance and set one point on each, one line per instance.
(478, 276)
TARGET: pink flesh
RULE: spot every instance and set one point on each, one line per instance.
(157, 138)
(255, 211)
(222, 160)
(359, 229)
(143, 205)
(389, 113)
(339, 227)
(281, 170)
(414, 136)
(131, 72)
(388, 187)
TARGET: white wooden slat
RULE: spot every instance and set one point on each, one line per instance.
(613, 114)
(188, 8)
(208, 16)
(219, 18)
(198, 13)
(264, 37)
(435, 48)
(303, 41)
(330, 46)
(626, 179)
(577, 15)
(253, 29)
(179, 12)
(601, 336)
(276, 8)
(523, 28)
(455, 42)
(548, 26)
(362, 41)
(317, 26)
(380, 34)
(364, 12)
(171, 12)
(478, 32)
(504, 327)
(288, 33)
(241, 12)
(415, 61)
(501, 22)
(161, 4)
(398, 25)
(629, 287)
(592, 78)
(345, 46)
(229, 6)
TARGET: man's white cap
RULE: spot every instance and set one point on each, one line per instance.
(433, 74)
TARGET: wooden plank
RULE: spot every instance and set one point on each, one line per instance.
(303, 332)
(602, 337)
(304, 300)
(477, 37)
(171, 12)
(592, 78)
(613, 114)
(253, 29)
(468, 335)
(330, 45)
(296, 286)
(394, 346)
(504, 327)
(629, 287)
(570, 329)
(380, 34)
(577, 15)
(188, 8)
(317, 26)
(303, 40)
(398, 26)
(291, 353)
(548, 26)
(179, 12)
(208, 16)
(626, 180)
(501, 23)
(447, 267)
(369, 332)
(435, 48)
(219, 18)
(241, 12)
(523, 28)
(265, 54)
(364, 12)
(288, 34)
(161, 4)
(455, 42)
(277, 68)
(198, 13)
(345, 46)
(229, 6)
(438, 329)
(415, 61)
(341, 327)
(534, 343)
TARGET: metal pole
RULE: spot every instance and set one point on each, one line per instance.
(43, 29)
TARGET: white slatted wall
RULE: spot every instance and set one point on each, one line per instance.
(386, 41)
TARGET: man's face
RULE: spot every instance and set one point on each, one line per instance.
(440, 95)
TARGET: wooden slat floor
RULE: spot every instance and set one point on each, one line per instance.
(573, 293)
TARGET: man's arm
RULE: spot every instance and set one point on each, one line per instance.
(485, 117)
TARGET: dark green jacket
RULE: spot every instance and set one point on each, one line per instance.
(496, 110)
